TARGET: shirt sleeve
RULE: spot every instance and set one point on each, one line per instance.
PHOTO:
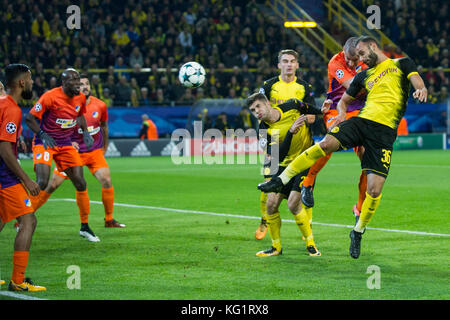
(309, 96)
(83, 106)
(266, 88)
(41, 106)
(10, 125)
(408, 66)
(104, 109)
(338, 71)
(305, 107)
(357, 84)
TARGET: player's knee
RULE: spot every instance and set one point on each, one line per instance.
(106, 182)
(80, 184)
(373, 191)
(327, 145)
(293, 206)
(271, 207)
(42, 183)
(28, 222)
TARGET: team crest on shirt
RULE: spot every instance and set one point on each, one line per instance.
(38, 156)
(28, 202)
(358, 69)
(339, 73)
(77, 108)
(95, 114)
(11, 127)
(37, 107)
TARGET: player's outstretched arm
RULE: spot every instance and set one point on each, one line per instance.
(303, 107)
(342, 109)
(11, 161)
(33, 124)
(421, 92)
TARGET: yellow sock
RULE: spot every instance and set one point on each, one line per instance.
(274, 226)
(309, 213)
(305, 160)
(368, 209)
(263, 205)
(303, 223)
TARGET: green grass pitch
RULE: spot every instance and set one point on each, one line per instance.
(206, 249)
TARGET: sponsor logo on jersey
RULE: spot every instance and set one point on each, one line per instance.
(92, 131)
(372, 83)
(66, 123)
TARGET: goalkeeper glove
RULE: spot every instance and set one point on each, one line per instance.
(87, 139)
(47, 141)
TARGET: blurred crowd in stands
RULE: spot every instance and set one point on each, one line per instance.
(233, 40)
(421, 29)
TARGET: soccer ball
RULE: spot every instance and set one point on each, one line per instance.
(192, 74)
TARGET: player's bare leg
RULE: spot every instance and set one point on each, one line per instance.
(42, 174)
(304, 161)
(54, 183)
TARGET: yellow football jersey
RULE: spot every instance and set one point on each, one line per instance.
(387, 85)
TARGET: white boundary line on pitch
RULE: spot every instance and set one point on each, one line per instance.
(19, 296)
(255, 218)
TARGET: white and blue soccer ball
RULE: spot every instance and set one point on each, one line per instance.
(192, 74)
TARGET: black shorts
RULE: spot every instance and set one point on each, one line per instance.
(376, 138)
(295, 184)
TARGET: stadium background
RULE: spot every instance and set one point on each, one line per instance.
(133, 51)
(205, 249)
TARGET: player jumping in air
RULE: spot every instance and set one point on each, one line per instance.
(341, 70)
(387, 82)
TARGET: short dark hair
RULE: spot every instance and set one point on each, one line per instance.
(84, 75)
(367, 39)
(254, 97)
(13, 71)
(350, 46)
(287, 51)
